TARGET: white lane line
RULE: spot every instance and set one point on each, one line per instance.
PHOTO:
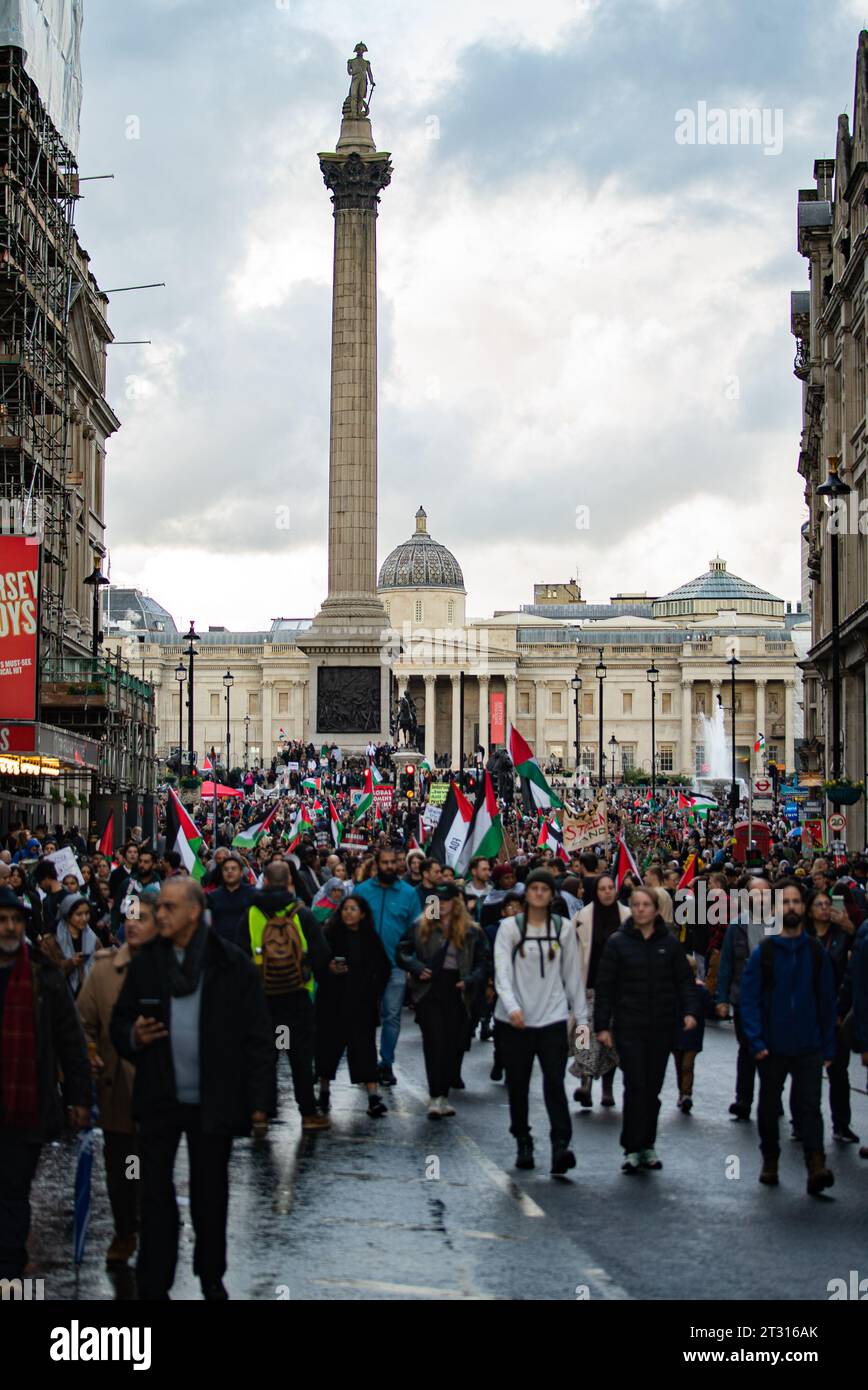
(407, 1290)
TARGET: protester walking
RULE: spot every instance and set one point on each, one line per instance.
(347, 1004)
(395, 907)
(601, 915)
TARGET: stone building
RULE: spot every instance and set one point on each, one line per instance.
(517, 667)
(829, 323)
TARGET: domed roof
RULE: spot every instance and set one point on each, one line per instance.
(717, 589)
(421, 563)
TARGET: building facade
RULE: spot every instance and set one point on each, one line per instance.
(829, 323)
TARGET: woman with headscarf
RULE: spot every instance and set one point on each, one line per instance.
(595, 923)
(76, 940)
(328, 899)
(348, 1001)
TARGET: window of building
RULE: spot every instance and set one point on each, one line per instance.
(698, 757)
(628, 756)
(524, 702)
(215, 704)
(253, 702)
(176, 705)
(626, 702)
(556, 705)
(450, 612)
(588, 702)
(666, 758)
(283, 702)
(588, 759)
(666, 702)
(417, 611)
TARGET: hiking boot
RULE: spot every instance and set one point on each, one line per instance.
(845, 1135)
(583, 1095)
(563, 1159)
(524, 1152)
(385, 1075)
(819, 1176)
(649, 1159)
(121, 1250)
(324, 1100)
(312, 1123)
(739, 1111)
(376, 1108)
(769, 1174)
(631, 1163)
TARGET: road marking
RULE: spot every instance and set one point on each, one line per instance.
(408, 1290)
(374, 1224)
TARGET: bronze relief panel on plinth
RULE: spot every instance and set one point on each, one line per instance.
(348, 699)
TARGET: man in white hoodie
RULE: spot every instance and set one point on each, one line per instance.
(538, 978)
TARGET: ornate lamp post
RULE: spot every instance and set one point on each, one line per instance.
(576, 683)
(180, 677)
(228, 681)
(190, 638)
(653, 677)
(834, 488)
(246, 740)
(96, 581)
(733, 791)
(613, 744)
(600, 673)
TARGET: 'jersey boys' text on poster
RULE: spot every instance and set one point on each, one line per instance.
(19, 587)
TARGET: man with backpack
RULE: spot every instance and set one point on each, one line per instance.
(788, 1016)
(288, 947)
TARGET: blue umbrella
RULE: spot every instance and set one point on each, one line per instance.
(83, 1173)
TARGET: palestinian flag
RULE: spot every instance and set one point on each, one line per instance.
(760, 744)
(207, 765)
(625, 864)
(302, 825)
(313, 784)
(424, 766)
(552, 837)
(372, 779)
(689, 873)
(528, 769)
(453, 828)
(486, 835)
(183, 836)
(106, 842)
(697, 805)
(336, 825)
(318, 808)
(249, 838)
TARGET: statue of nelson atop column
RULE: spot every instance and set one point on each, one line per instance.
(356, 106)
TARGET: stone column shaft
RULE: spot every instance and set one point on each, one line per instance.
(483, 713)
(686, 754)
(456, 722)
(760, 722)
(789, 731)
(430, 718)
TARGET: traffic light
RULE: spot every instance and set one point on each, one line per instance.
(408, 781)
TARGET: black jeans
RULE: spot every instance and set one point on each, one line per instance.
(208, 1155)
(18, 1161)
(123, 1191)
(745, 1066)
(517, 1048)
(296, 1012)
(839, 1079)
(807, 1073)
(443, 1019)
(643, 1058)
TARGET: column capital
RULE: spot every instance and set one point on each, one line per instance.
(355, 181)
(483, 680)
(429, 677)
(760, 680)
(510, 678)
(455, 679)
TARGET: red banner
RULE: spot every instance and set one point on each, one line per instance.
(17, 738)
(19, 587)
(497, 722)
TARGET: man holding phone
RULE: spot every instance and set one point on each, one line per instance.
(192, 1019)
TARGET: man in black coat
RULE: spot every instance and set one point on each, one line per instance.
(40, 1034)
(643, 996)
(192, 1018)
(230, 901)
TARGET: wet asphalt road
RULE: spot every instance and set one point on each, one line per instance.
(405, 1208)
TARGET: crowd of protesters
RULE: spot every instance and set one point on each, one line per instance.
(163, 993)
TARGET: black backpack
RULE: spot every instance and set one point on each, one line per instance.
(767, 966)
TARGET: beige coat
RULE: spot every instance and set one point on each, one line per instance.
(584, 925)
(95, 1004)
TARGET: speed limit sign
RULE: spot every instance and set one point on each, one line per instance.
(837, 821)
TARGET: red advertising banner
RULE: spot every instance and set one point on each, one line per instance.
(19, 589)
(497, 722)
(17, 738)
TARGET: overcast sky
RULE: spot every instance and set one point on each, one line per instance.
(577, 310)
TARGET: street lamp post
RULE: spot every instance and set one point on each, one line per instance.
(576, 683)
(96, 581)
(191, 637)
(613, 744)
(246, 740)
(180, 677)
(228, 681)
(834, 488)
(600, 673)
(653, 677)
(733, 791)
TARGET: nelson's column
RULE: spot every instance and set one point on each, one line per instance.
(349, 678)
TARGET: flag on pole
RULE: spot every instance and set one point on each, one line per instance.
(106, 842)
(372, 779)
(313, 784)
(207, 765)
(530, 772)
(697, 805)
(453, 828)
(182, 835)
(249, 838)
(625, 864)
(335, 824)
(302, 825)
(551, 836)
(486, 835)
(760, 744)
(689, 873)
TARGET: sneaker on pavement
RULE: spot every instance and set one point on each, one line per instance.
(386, 1076)
(315, 1122)
(376, 1106)
(434, 1111)
(685, 1104)
(739, 1112)
(648, 1159)
(631, 1163)
(445, 1107)
(563, 1159)
(524, 1152)
(845, 1135)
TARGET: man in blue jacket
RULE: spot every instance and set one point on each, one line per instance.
(395, 905)
(854, 995)
(788, 1016)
